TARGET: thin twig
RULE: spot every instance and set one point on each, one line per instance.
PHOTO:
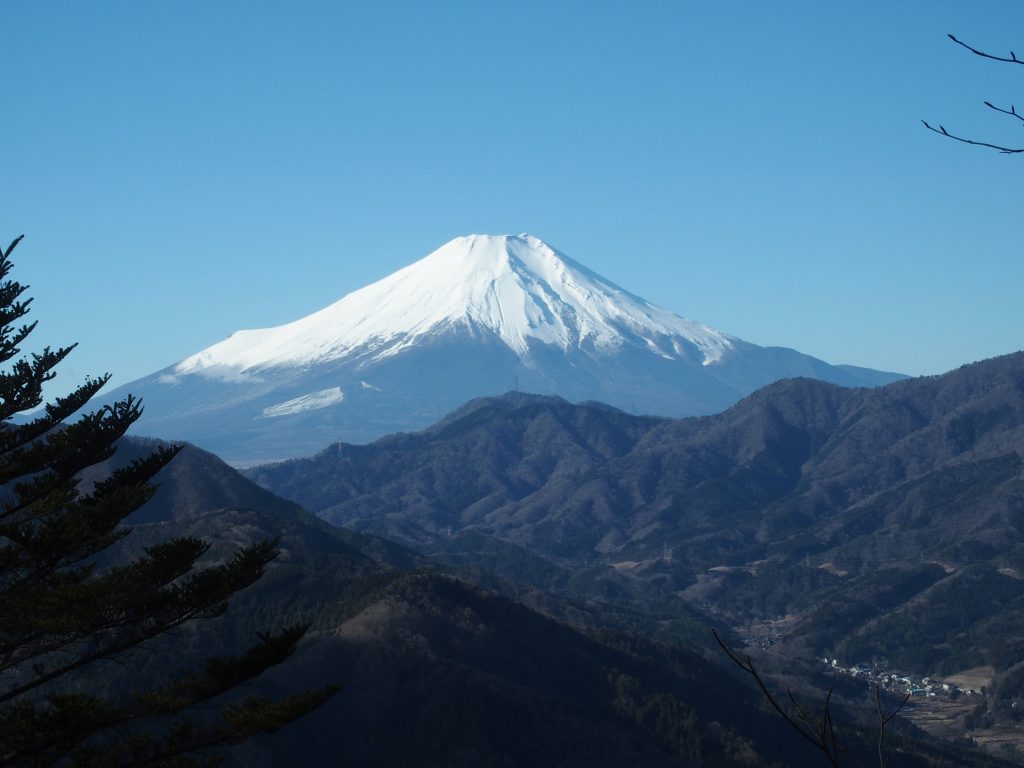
(948, 135)
(831, 727)
(1012, 111)
(1012, 60)
(882, 761)
(884, 720)
(747, 665)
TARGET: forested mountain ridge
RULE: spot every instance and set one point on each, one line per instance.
(802, 491)
(436, 671)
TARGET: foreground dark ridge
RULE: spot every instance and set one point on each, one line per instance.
(439, 672)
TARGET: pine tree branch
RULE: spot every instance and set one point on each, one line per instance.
(53, 464)
(13, 438)
(240, 720)
(53, 544)
(221, 674)
(22, 388)
(11, 247)
(102, 605)
(59, 613)
(203, 595)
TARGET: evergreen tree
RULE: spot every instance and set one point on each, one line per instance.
(61, 613)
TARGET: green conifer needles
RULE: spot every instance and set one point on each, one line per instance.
(61, 612)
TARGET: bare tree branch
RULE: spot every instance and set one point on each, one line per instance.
(948, 135)
(884, 720)
(1012, 60)
(1012, 111)
(817, 732)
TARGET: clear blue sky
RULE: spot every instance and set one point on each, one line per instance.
(183, 170)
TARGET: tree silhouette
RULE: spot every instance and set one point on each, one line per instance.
(817, 729)
(61, 612)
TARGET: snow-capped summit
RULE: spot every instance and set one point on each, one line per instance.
(481, 315)
(516, 287)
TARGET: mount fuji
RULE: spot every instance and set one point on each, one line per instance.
(479, 316)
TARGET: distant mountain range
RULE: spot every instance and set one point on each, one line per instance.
(869, 517)
(479, 316)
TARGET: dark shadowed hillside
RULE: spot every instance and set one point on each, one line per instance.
(438, 672)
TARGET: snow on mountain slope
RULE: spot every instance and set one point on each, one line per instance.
(516, 287)
(479, 316)
(311, 402)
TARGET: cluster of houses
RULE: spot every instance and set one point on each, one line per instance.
(878, 674)
(900, 684)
